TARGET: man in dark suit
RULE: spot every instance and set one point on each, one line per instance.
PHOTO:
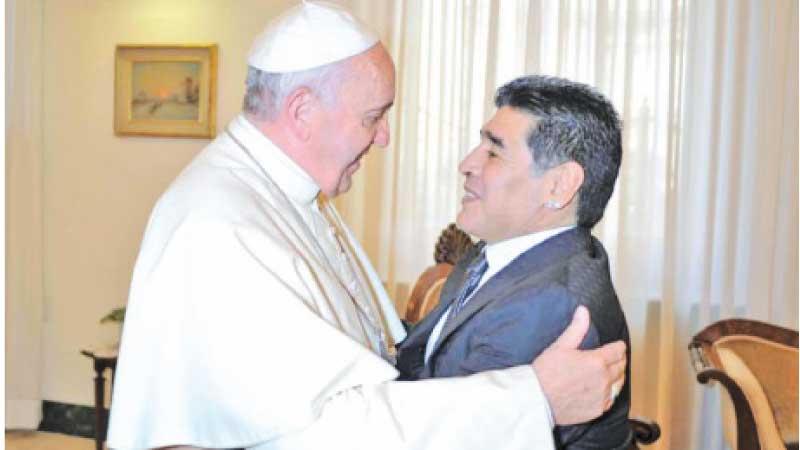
(535, 186)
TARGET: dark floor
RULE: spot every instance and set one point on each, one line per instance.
(40, 440)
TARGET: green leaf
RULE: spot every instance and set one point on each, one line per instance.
(116, 315)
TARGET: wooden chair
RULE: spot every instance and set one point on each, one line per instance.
(756, 363)
(453, 243)
(645, 431)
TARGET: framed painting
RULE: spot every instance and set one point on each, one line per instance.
(166, 90)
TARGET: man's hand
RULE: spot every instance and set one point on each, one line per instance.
(578, 383)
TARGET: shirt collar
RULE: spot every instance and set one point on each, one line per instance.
(500, 254)
(295, 182)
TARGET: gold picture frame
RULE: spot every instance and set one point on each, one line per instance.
(165, 90)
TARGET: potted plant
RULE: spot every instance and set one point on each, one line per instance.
(116, 315)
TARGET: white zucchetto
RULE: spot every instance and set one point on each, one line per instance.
(309, 35)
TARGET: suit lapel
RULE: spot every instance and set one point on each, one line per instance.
(418, 335)
(456, 280)
(532, 263)
(422, 330)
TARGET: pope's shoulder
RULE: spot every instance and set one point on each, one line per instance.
(217, 191)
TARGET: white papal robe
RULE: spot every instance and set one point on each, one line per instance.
(255, 322)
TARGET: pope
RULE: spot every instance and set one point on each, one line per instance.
(255, 319)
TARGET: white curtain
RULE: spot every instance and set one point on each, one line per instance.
(731, 205)
(23, 201)
(703, 223)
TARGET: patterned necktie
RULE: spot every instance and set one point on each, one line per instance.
(475, 271)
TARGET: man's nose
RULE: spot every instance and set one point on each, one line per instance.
(468, 165)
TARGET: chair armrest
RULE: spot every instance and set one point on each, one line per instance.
(645, 431)
(747, 433)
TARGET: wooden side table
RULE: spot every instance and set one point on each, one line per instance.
(103, 359)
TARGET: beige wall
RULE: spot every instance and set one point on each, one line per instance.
(99, 188)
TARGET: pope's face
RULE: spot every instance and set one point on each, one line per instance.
(357, 119)
(502, 198)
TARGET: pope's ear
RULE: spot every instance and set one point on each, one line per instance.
(298, 108)
(568, 179)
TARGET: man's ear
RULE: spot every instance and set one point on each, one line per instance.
(568, 178)
(298, 110)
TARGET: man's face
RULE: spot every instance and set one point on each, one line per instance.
(502, 198)
(357, 120)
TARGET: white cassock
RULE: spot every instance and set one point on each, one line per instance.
(253, 321)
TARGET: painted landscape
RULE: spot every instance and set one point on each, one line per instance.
(165, 90)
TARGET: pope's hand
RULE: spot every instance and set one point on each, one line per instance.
(578, 383)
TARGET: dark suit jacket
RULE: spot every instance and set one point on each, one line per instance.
(521, 310)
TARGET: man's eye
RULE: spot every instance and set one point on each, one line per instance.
(491, 153)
